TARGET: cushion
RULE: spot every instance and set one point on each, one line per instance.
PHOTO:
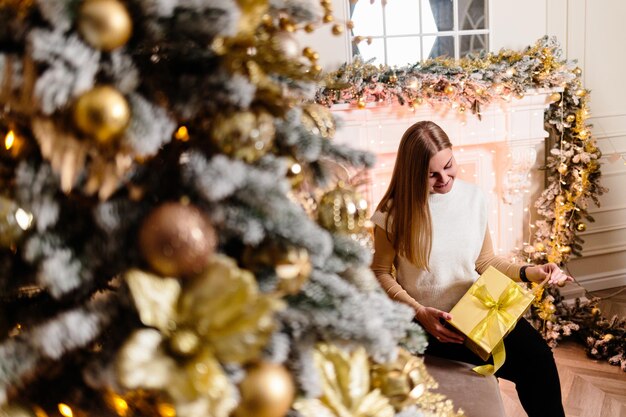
(477, 395)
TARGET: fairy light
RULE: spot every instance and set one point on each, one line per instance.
(65, 410)
(9, 140)
(182, 134)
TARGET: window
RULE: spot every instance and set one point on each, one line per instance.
(401, 32)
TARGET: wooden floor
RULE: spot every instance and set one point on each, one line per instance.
(590, 388)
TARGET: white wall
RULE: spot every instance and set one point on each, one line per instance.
(593, 32)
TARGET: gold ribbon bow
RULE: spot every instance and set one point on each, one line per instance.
(496, 323)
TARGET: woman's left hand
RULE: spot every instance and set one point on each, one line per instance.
(538, 273)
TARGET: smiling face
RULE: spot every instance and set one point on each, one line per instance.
(442, 171)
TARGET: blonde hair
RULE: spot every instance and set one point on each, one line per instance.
(408, 223)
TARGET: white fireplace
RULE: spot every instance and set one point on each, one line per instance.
(501, 152)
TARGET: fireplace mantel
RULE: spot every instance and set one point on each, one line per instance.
(499, 152)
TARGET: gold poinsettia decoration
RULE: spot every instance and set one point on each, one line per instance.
(218, 316)
(406, 382)
(346, 387)
(70, 157)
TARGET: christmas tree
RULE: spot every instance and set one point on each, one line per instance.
(174, 239)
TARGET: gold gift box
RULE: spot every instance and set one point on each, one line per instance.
(488, 311)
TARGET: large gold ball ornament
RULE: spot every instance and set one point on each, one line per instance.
(449, 90)
(581, 92)
(581, 227)
(563, 168)
(577, 71)
(570, 118)
(176, 240)
(266, 391)
(337, 30)
(104, 24)
(244, 135)
(101, 113)
(540, 247)
(342, 210)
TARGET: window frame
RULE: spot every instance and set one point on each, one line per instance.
(455, 33)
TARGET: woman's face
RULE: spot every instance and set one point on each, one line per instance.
(442, 171)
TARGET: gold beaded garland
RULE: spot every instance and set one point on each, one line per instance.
(337, 30)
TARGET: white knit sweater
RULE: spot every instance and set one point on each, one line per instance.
(459, 221)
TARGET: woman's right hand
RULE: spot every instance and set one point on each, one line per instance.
(430, 319)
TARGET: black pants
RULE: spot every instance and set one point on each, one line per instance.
(529, 364)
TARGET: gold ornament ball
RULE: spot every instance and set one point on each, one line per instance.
(540, 247)
(102, 113)
(577, 71)
(608, 337)
(309, 28)
(337, 30)
(581, 92)
(266, 391)
(570, 118)
(560, 199)
(342, 210)
(581, 227)
(449, 90)
(562, 168)
(246, 135)
(393, 78)
(176, 240)
(104, 24)
(595, 311)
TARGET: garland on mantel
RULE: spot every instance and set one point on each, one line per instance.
(573, 167)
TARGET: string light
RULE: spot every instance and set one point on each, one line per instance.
(182, 134)
(9, 140)
(65, 410)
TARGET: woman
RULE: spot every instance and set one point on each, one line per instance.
(432, 228)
